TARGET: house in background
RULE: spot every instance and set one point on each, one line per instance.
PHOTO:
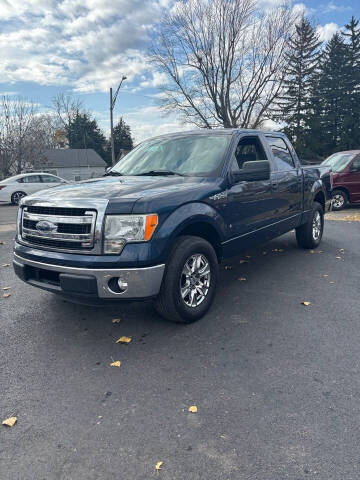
(72, 164)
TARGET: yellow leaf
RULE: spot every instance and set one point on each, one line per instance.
(325, 275)
(242, 279)
(6, 288)
(306, 303)
(193, 409)
(116, 320)
(228, 267)
(6, 264)
(321, 251)
(247, 256)
(158, 466)
(243, 261)
(339, 258)
(10, 422)
(123, 340)
(115, 364)
(332, 282)
(6, 295)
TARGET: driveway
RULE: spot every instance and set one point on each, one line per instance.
(276, 383)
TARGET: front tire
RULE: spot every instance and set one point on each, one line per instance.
(16, 197)
(339, 200)
(310, 234)
(189, 283)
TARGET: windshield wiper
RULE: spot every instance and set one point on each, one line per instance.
(160, 172)
(113, 173)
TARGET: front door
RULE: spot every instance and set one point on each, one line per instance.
(352, 180)
(249, 208)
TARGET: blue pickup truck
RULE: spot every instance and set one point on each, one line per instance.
(160, 221)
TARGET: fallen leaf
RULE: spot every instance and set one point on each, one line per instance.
(247, 256)
(325, 275)
(115, 364)
(312, 251)
(6, 264)
(243, 261)
(342, 250)
(321, 251)
(2, 243)
(332, 282)
(6, 288)
(306, 303)
(264, 253)
(6, 295)
(338, 258)
(10, 422)
(242, 279)
(116, 320)
(123, 340)
(193, 409)
(228, 267)
(158, 466)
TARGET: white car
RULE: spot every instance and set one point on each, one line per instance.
(13, 189)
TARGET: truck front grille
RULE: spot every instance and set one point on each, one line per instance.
(58, 228)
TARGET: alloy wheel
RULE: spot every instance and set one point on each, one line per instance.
(195, 280)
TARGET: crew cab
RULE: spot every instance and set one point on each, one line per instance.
(162, 219)
(345, 177)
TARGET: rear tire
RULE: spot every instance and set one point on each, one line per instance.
(189, 284)
(310, 234)
(16, 197)
(339, 200)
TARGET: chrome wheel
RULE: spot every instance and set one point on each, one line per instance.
(195, 280)
(338, 200)
(316, 226)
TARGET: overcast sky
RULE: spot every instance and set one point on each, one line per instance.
(84, 46)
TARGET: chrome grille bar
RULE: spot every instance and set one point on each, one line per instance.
(37, 217)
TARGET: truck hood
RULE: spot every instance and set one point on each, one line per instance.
(123, 192)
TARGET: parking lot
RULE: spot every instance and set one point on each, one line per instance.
(276, 383)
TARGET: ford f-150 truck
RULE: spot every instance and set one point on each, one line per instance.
(160, 221)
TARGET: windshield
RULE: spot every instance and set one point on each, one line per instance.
(339, 161)
(199, 155)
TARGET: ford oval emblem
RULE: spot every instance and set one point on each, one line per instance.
(46, 227)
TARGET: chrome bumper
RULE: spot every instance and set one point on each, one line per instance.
(140, 282)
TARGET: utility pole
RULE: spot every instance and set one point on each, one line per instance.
(112, 105)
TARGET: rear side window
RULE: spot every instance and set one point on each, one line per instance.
(31, 179)
(282, 156)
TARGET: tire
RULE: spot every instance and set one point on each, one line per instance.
(16, 197)
(173, 301)
(339, 200)
(310, 234)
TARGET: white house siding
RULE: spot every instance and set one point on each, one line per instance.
(77, 173)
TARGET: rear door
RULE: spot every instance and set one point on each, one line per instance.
(352, 180)
(31, 184)
(250, 204)
(50, 181)
(287, 184)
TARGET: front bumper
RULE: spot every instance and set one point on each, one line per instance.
(137, 283)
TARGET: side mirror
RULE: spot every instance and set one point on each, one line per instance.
(252, 171)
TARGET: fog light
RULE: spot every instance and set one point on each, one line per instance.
(122, 284)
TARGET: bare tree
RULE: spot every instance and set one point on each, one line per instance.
(66, 107)
(24, 135)
(224, 60)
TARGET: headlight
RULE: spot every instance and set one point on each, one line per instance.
(122, 229)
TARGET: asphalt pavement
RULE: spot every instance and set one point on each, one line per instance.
(276, 383)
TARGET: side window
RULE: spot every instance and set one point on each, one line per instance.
(50, 179)
(31, 179)
(282, 156)
(249, 149)
(355, 167)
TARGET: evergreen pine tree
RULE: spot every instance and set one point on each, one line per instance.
(294, 107)
(122, 140)
(328, 99)
(351, 78)
(84, 132)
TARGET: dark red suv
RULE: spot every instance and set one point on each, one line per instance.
(346, 177)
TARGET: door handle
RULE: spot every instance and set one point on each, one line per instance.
(274, 185)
